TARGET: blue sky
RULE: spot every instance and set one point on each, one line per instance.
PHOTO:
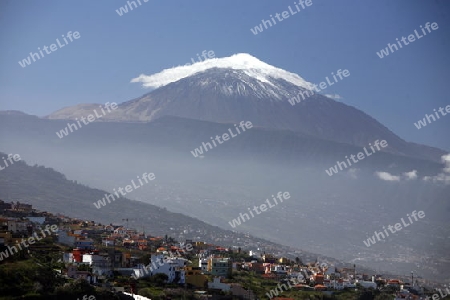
(397, 90)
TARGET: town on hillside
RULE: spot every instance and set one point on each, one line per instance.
(58, 256)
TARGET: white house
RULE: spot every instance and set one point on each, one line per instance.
(108, 242)
(121, 231)
(94, 260)
(217, 284)
(368, 284)
(68, 257)
(338, 284)
(203, 264)
(280, 269)
(172, 267)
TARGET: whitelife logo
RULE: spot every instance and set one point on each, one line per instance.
(263, 207)
(27, 61)
(90, 118)
(10, 158)
(205, 55)
(437, 297)
(397, 226)
(31, 240)
(129, 188)
(323, 85)
(124, 9)
(360, 155)
(282, 287)
(85, 297)
(411, 38)
(423, 122)
(225, 137)
(284, 15)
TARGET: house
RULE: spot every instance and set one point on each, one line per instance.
(284, 260)
(93, 259)
(68, 257)
(220, 266)
(66, 238)
(172, 267)
(77, 254)
(85, 244)
(318, 278)
(195, 278)
(259, 268)
(38, 220)
(17, 226)
(21, 207)
(368, 284)
(72, 272)
(78, 232)
(394, 282)
(6, 238)
(203, 264)
(109, 228)
(218, 285)
(120, 231)
(199, 245)
(108, 242)
(142, 244)
(278, 269)
(269, 258)
(116, 258)
(4, 205)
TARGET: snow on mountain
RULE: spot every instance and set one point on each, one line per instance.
(241, 87)
(250, 65)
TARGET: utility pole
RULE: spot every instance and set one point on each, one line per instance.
(127, 222)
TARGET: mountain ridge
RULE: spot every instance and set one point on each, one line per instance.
(218, 92)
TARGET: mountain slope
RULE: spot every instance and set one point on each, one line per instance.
(48, 190)
(320, 217)
(241, 87)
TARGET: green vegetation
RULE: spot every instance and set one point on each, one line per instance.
(261, 286)
(36, 279)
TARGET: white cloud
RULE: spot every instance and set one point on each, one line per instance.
(444, 176)
(241, 61)
(387, 176)
(353, 172)
(333, 96)
(446, 160)
(410, 175)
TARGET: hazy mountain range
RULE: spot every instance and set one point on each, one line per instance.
(288, 149)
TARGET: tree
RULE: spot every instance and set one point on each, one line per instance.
(159, 279)
(298, 261)
(74, 289)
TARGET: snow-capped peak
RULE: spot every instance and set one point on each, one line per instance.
(250, 65)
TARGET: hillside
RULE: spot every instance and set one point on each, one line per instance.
(48, 190)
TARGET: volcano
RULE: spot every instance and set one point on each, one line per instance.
(241, 87)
